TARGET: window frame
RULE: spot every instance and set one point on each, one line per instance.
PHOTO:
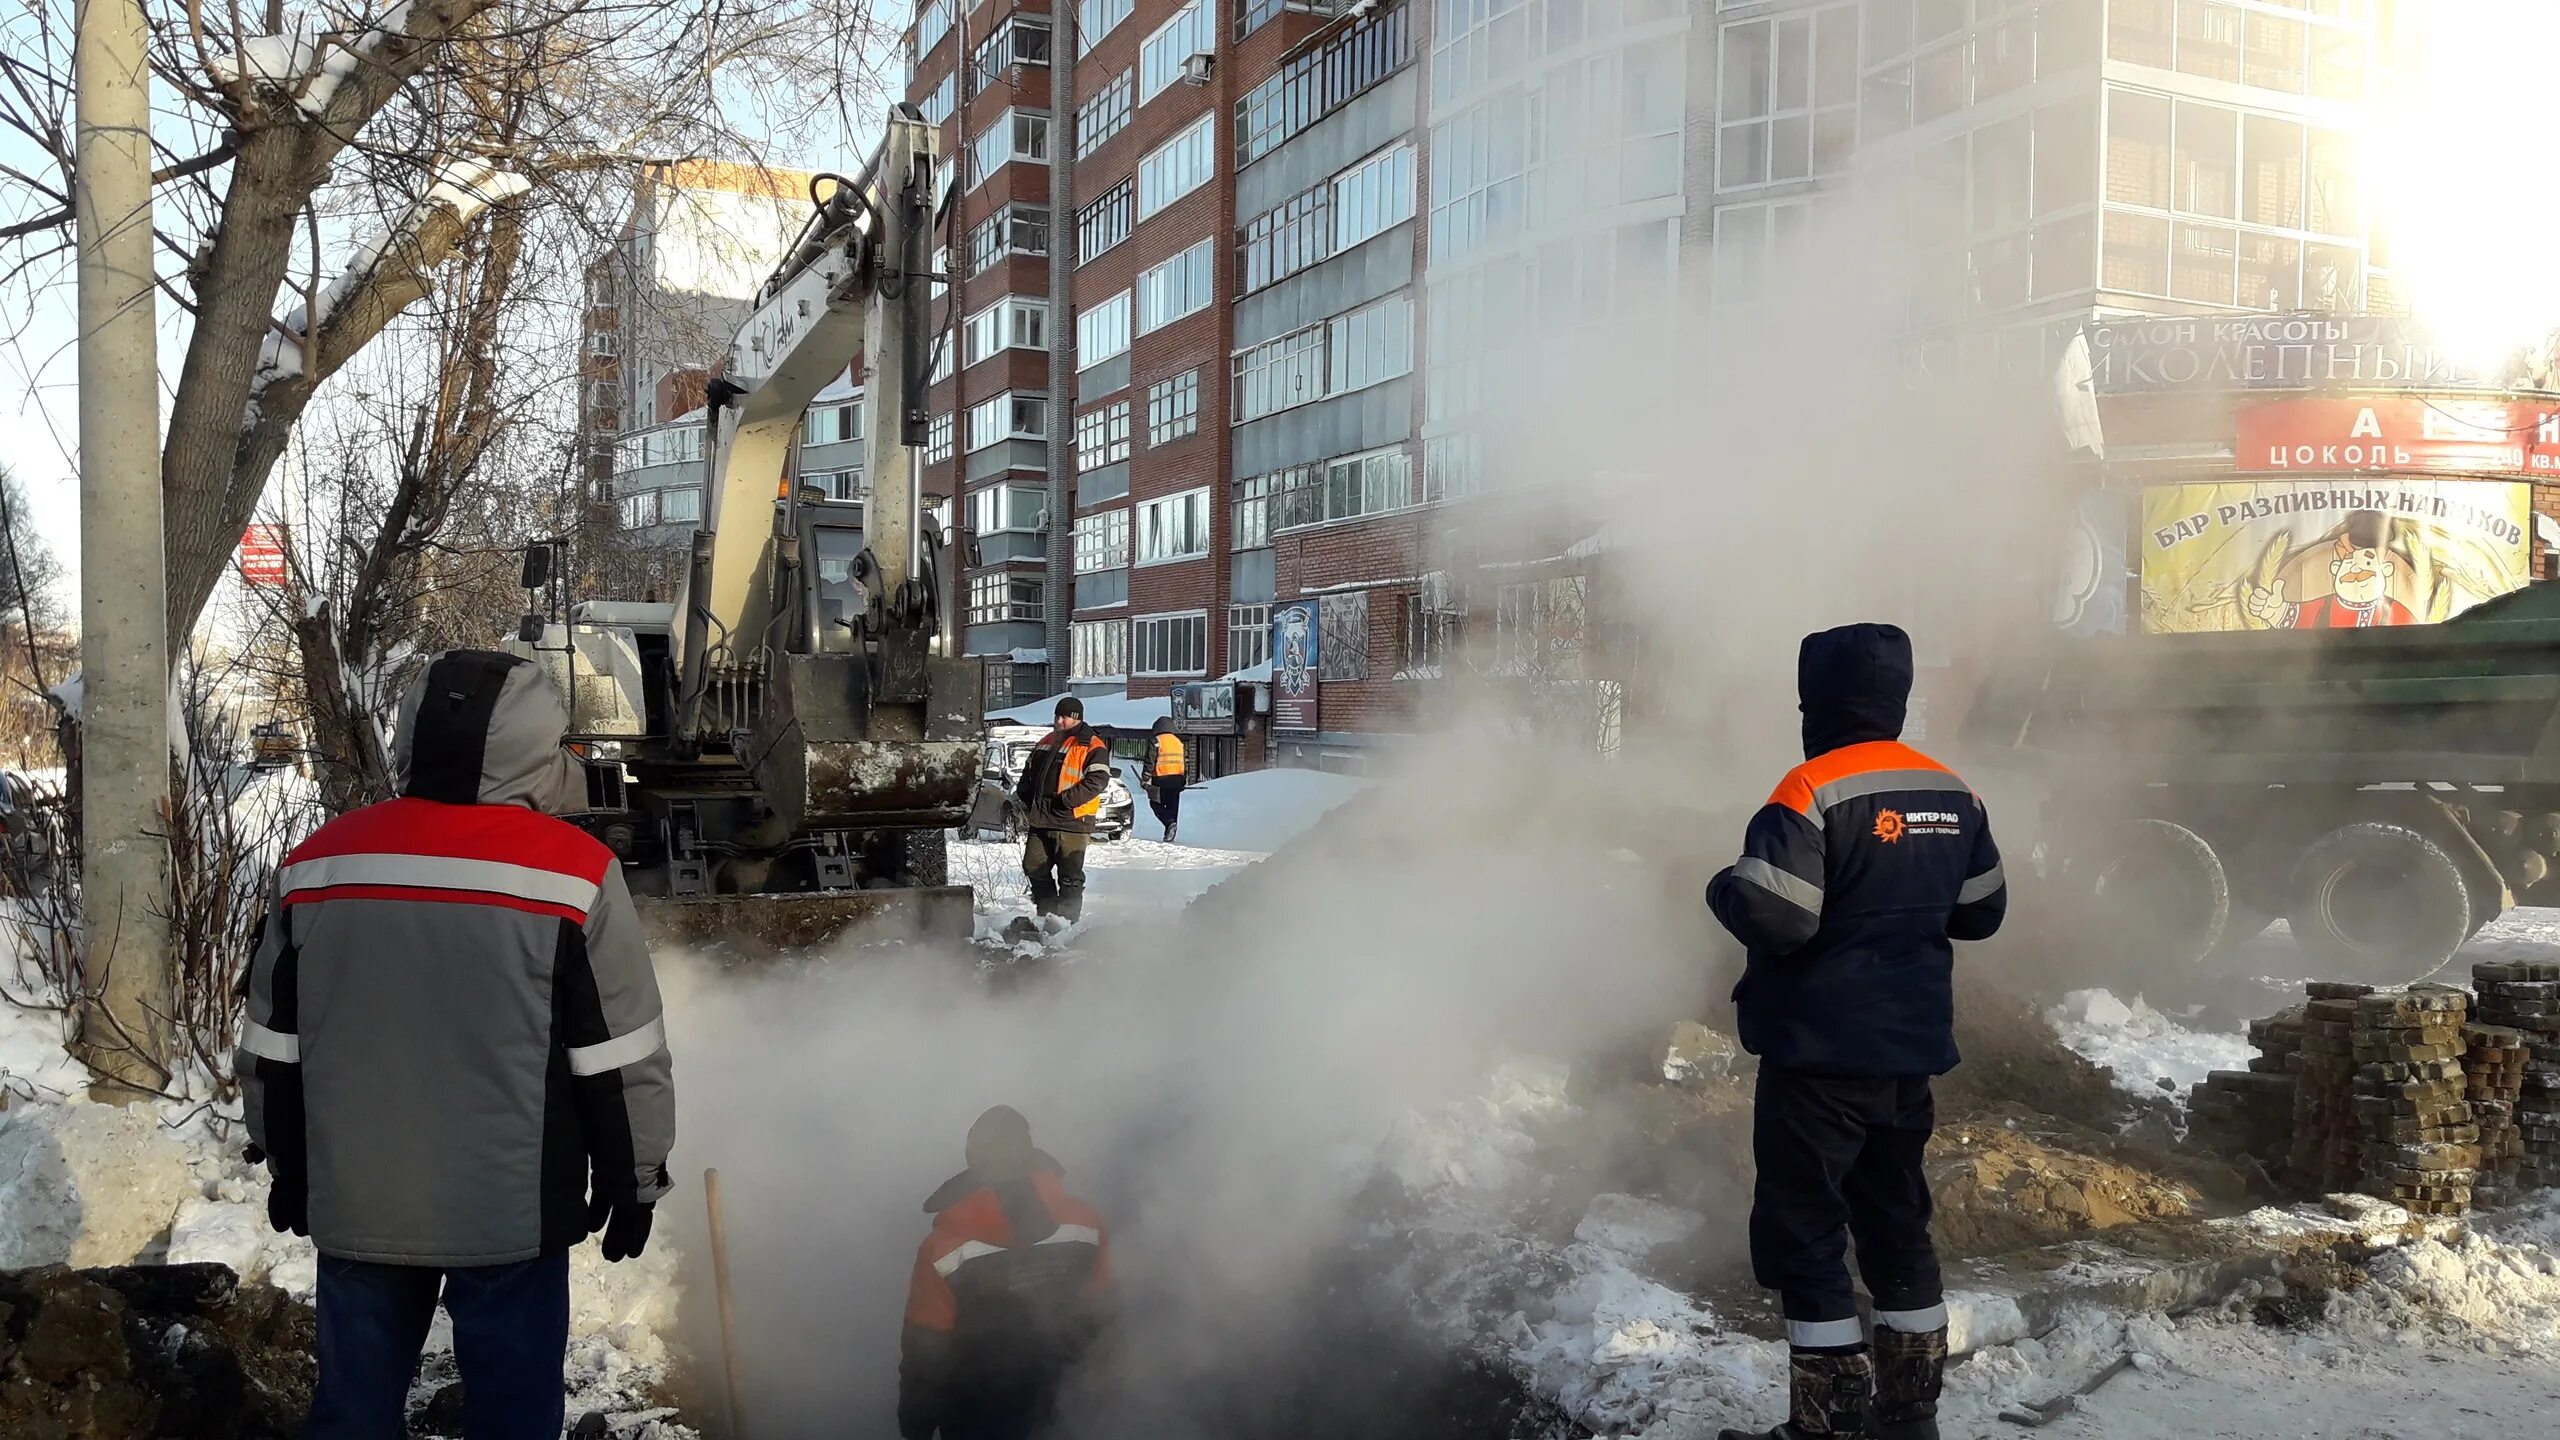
(1186, 161)
(1154, 533)
(1169, 629)
(1187, 279)
(1104, 324)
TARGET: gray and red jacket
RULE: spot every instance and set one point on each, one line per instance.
(454, 1030)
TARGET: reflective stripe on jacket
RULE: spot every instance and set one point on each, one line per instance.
(1169, 759)
(1854, 877)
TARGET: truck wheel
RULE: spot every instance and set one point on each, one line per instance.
(928, 858)
(2383, 903)
(2160, 894)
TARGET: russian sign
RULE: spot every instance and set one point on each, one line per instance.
(2335, 555)
(2274, 352)
(2326, 436)
(1295, 663)
(1205, 708)
(262, 556)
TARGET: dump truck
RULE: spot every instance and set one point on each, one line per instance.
(778, 754)
(2386, 791)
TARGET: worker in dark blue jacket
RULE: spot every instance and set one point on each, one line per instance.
(1867, 862)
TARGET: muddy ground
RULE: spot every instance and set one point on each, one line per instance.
(179, 1352)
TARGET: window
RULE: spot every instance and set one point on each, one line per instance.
(937, 106)
(1286, 239)
(1452, 467)
(1013, 230)
(1371, 345)
(1174, 528)
(832, 424)
(1103, 116)
(1248, 636)
(1372, 196)
(945, 353)
(1173, 408)
(1177, 167)
(1103, 331)
(640, 510)
(835, 484)
(1019, 40)
(1101, 649)
(1013, 323)
(1249, 510)
(996, 508)
(1790, 97)
(937, 439)
(1097, 18)
(1102, 436)
(1430, 633)
(997, 598)
(1102, 542)
(1178, 287)
(1193, 30)
(933, 21)
(1276, 374)
(1322, 81)
(604, 344)
(1171, 644)
(1007, 417)
(1106, 221)
(1372, 483)
(2138, 167)
(1015, 135)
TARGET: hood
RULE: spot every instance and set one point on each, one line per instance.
(969, 1182)
(1853, 685)
(480, 728)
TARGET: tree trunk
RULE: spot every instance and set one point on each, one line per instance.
(354, 771)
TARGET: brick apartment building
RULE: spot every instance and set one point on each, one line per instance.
(1314, 242)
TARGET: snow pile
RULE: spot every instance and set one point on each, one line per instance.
(1261, 810)
(1112, 711)
(2142, 1046)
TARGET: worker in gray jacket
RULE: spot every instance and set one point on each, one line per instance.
(454, 1060)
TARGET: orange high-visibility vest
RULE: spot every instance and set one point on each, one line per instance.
(1072, 760)
(1168, 756)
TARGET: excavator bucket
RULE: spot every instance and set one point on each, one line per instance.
(769, 926)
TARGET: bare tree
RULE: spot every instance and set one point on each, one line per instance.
(324, 160)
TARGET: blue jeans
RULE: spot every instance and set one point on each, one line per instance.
(510, 1337)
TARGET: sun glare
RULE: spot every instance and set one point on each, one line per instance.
(2461, 177)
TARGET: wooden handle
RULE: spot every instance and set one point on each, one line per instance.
(720, 1283)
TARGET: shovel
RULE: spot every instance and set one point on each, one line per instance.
(2037, 1414)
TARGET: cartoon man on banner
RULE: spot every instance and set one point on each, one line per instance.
(2361, 573)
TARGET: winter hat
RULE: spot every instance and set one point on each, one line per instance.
(1068, 705)
(1000, 1145)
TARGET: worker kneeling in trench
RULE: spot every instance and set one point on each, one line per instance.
(1866, 862)
(1009, 1291)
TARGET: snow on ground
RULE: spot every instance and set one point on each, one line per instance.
(1260, 810)
(2452, 1336)
(2142, 1046)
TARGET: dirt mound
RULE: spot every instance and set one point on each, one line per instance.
(179, 1352)
(2008, 1181)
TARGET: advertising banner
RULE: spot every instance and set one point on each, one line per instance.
(1295, 663)
(2274, 352)
(1205, 708)
(2494, 437)
(2306, 555)
(262, 557)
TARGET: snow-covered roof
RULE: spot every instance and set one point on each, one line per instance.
(1112, 711)
(839, 390)
(1251, 674)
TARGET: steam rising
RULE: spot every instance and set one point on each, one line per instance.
(1219, 1085)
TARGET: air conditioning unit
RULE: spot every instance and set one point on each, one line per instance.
(1198, 69)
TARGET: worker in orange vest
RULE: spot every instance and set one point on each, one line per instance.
(1167, 771)
(1061, 791)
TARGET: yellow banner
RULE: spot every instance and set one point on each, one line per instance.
(2329, 555)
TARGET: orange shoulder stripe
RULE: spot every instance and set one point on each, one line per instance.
(1796, 790)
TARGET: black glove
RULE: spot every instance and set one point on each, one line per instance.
(625, 1224)
(289, 1206)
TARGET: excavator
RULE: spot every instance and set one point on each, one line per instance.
(776, 756)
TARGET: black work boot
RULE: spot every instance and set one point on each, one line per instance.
(1910, 1370)
(1826, 1395)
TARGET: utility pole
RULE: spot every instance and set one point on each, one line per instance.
(124, 645)
(1058, 594)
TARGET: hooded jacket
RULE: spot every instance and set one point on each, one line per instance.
(1008, 1291)
(1865, 864)
(453, 1030)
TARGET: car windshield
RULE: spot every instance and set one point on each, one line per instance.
(839, 598)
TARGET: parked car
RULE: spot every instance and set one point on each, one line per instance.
(1008, 750)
